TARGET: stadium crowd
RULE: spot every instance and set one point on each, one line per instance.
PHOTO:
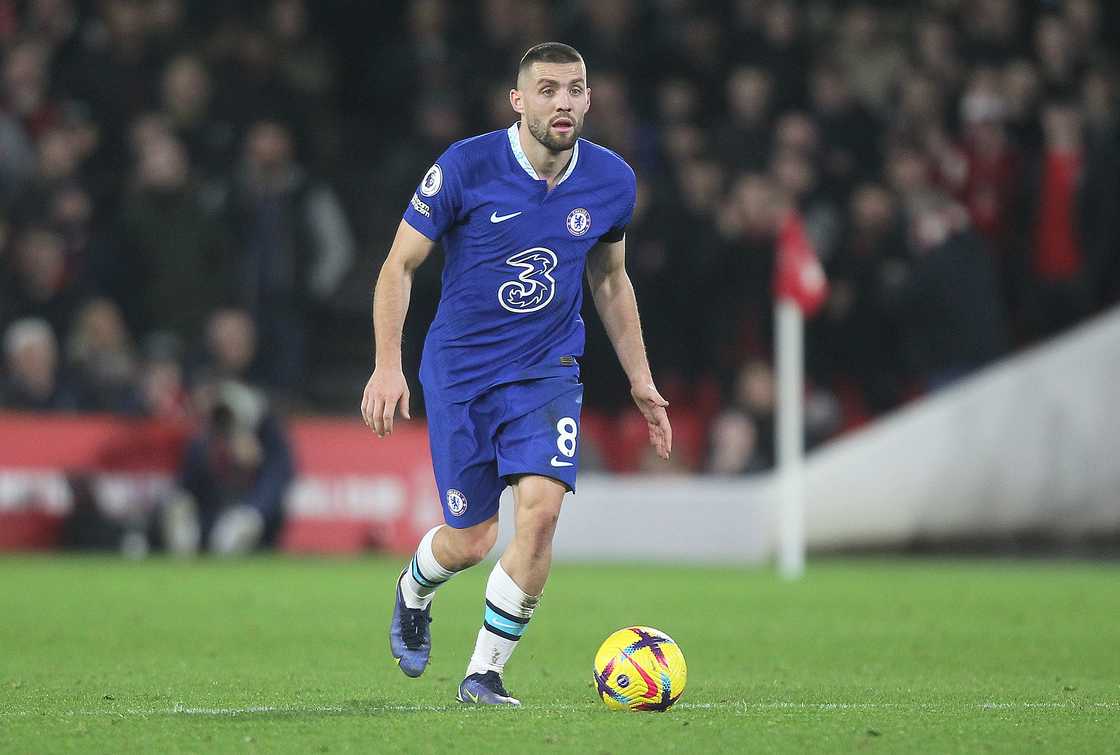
(193, 190)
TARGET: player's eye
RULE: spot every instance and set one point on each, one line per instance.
(576, 91)
(547, 91)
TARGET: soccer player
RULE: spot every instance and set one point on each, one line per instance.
(521, 213)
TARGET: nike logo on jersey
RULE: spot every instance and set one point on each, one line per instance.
(496, 218)
(557, 463)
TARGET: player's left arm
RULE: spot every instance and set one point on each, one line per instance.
(614, 299)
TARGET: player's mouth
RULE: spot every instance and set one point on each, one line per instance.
(563, 125)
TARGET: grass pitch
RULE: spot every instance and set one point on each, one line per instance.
(278, 655)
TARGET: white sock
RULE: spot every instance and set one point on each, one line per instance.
(424, 574)
(507, 614)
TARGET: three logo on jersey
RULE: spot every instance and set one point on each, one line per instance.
(534, 287)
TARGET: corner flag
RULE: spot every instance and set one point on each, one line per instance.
(800, 289)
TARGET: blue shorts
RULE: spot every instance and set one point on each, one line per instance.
(529, 427)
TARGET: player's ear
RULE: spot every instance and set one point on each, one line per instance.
(588, 93)
(516, 101)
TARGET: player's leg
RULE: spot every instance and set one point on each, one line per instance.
(514, 588)
(537, 452)
(443, 552)
(469, 488)
(528, 557)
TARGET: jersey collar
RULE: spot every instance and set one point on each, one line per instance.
(515, 145)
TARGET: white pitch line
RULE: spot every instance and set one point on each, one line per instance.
(184, 710)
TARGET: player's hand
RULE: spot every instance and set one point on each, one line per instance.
(652, 406)
(386, 388)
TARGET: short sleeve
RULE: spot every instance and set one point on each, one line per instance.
(618, 231)
(438, 200)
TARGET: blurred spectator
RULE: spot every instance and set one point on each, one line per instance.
(734, 444)
(26, 83)
(1058, 262)
(991, 30)
(88, 251)
(39, 284)
(1083, 21)
(231, 345)
(744, 136)
(867, 53)
(233, 479)
(1057, 57)
(615, 121)
(947, 300)
(921, 107)
(304, 61)
(54, 22)
(34, 381)
(247, 62)
(908, 170)
(742, 436)
(163, 393)
(164, 22)
(740, 286)
(25, 113)
(186, 97)
(178, 255)
(1020, 87)
(678, 100)
(795, 176)
(856, 338)
(936, 50)
(607, 25)
(985, 173)
(115, 73)
(295, 243)
(850, 149)
(782, 52)
(100, 354)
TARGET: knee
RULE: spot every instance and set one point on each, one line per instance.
(538, 518)
(472, 544)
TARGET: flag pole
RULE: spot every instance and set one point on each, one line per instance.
(800, 289)
(789, 338)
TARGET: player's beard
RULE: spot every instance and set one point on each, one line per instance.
(542, 132)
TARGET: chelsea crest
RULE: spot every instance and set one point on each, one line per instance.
(579, 221)
(456, 502)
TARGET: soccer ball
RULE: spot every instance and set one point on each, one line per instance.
(639, 668)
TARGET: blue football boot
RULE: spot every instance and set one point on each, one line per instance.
(409, 636)
(485, 689)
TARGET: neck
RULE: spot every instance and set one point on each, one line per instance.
(548, 164)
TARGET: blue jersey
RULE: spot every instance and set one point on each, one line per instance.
(515, 256)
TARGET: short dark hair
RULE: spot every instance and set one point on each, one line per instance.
(549, 52)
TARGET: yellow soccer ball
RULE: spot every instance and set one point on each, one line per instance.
(640, 668)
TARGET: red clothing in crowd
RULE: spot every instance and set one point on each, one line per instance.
(988, 193)
(1058, 255)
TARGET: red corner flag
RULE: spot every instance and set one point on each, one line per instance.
(798, 274)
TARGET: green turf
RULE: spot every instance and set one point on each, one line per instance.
(266, 655)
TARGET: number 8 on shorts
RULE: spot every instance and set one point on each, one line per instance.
(566, 430)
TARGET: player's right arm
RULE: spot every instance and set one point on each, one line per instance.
(387, 387)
